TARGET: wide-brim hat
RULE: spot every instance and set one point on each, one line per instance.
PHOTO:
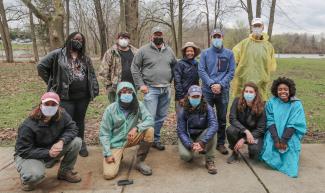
(197, 50)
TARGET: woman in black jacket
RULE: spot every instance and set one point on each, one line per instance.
(70, 73)
(247, 122)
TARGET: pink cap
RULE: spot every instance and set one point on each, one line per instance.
(50, 96)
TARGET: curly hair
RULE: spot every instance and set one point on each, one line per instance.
(283, 80)
(203, 106)
(258, 103)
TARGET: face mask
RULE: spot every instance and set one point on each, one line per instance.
(217, 43)
(76, 45)
(195, 101)
(158, 41)
(49, 111)
(257, 31)
(126, 98)
(123, 42)
(249, 97)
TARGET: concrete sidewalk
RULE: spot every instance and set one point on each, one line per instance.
(172, 175)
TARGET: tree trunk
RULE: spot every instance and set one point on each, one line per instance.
(271, 20)
(172, 16)
(208, 22)
(101, 27)
(250, 14)
(258, 8)
(67, 5)
(180, 27)
(4, 31)
(32, 30)
(132, 20)
(122, 15)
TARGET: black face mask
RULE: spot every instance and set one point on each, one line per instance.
(76, 45)
(158, 40)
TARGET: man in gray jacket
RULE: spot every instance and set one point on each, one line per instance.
(152, 69)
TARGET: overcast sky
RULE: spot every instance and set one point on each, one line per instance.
(300, 16)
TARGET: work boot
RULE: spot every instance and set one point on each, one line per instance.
(212, 169)
(158, 146)
(141, 156)
(222, 149)
(51, 163)
(83, 151)
(69, 176)
(234, 157)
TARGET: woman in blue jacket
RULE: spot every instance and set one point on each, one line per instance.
(196, 128)
(286, 125)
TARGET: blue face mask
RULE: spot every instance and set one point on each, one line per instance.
(195, 101)
(217, 42)
(126, 98)
(249, 97)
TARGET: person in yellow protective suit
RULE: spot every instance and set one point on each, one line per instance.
(255, 60)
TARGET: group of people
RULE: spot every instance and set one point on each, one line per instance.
(55, 128)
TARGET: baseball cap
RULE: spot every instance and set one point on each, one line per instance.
(156, 29)
(123, 34)
(216, 31)
(50, 96)
(194, 90)
(257, 20)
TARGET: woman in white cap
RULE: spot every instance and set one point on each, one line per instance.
(48, 133)
(196, 128)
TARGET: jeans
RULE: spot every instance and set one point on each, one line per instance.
(32, 171)
(77, 110)
(220, 102)
(157, 102)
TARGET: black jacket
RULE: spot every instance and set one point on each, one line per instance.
(185, 75)
(247, 120)
(35, 138)
(53, 70)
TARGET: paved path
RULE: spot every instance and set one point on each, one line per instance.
(171, 175)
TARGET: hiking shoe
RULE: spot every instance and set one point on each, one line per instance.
(212, 169)
(51, 163)
(83, 151)
(234, 157)
(69, 176)
(143, 168)
(158, 146)
(222, 149)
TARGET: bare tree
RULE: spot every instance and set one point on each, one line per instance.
(32, 30)
(122, 15)
(67, 27)
(271, 19)
(132, 20)
(249, 10)
(101, 27)
(258, 8)
(4, 31)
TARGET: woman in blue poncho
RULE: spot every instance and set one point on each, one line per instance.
(286, 125)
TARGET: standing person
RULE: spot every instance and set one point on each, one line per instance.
(286, 125)
(186, 73)
(152, 71)
(48, 133)
(116, 64)
(196, 128)
(247, 123)
(216, 69)
(255, 60)
(125, 123)
(69, 72)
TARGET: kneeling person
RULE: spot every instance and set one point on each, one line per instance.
(196, 128)
(48, 133)
(125, 123)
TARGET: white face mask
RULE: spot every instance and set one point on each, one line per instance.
(257, 31)
(49, 111)
(123, 42)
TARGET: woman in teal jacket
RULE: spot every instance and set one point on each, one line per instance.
(285, 118)
(125, 123)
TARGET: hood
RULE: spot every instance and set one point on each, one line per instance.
(122, 85)
(265, 37)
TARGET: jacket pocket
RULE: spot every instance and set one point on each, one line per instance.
(222, 64)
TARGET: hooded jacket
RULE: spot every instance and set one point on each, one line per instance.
(115, 127)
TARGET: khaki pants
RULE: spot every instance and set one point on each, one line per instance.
(110, 170)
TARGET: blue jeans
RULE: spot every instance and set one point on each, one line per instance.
(220, 102)
(157, 102)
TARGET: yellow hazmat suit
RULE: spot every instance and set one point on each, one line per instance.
(255, 61)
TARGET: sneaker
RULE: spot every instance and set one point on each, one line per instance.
(234, 157)
(69, 176)
(222, 149)
(143, 168)
(211, 167)
(51, 163)
(158, 146)
(83, 151)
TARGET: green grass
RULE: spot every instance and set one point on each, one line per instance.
(20, 89)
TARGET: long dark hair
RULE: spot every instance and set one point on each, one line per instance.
(68, 45)
(37, 114)
(258, 103)
(202, 108)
